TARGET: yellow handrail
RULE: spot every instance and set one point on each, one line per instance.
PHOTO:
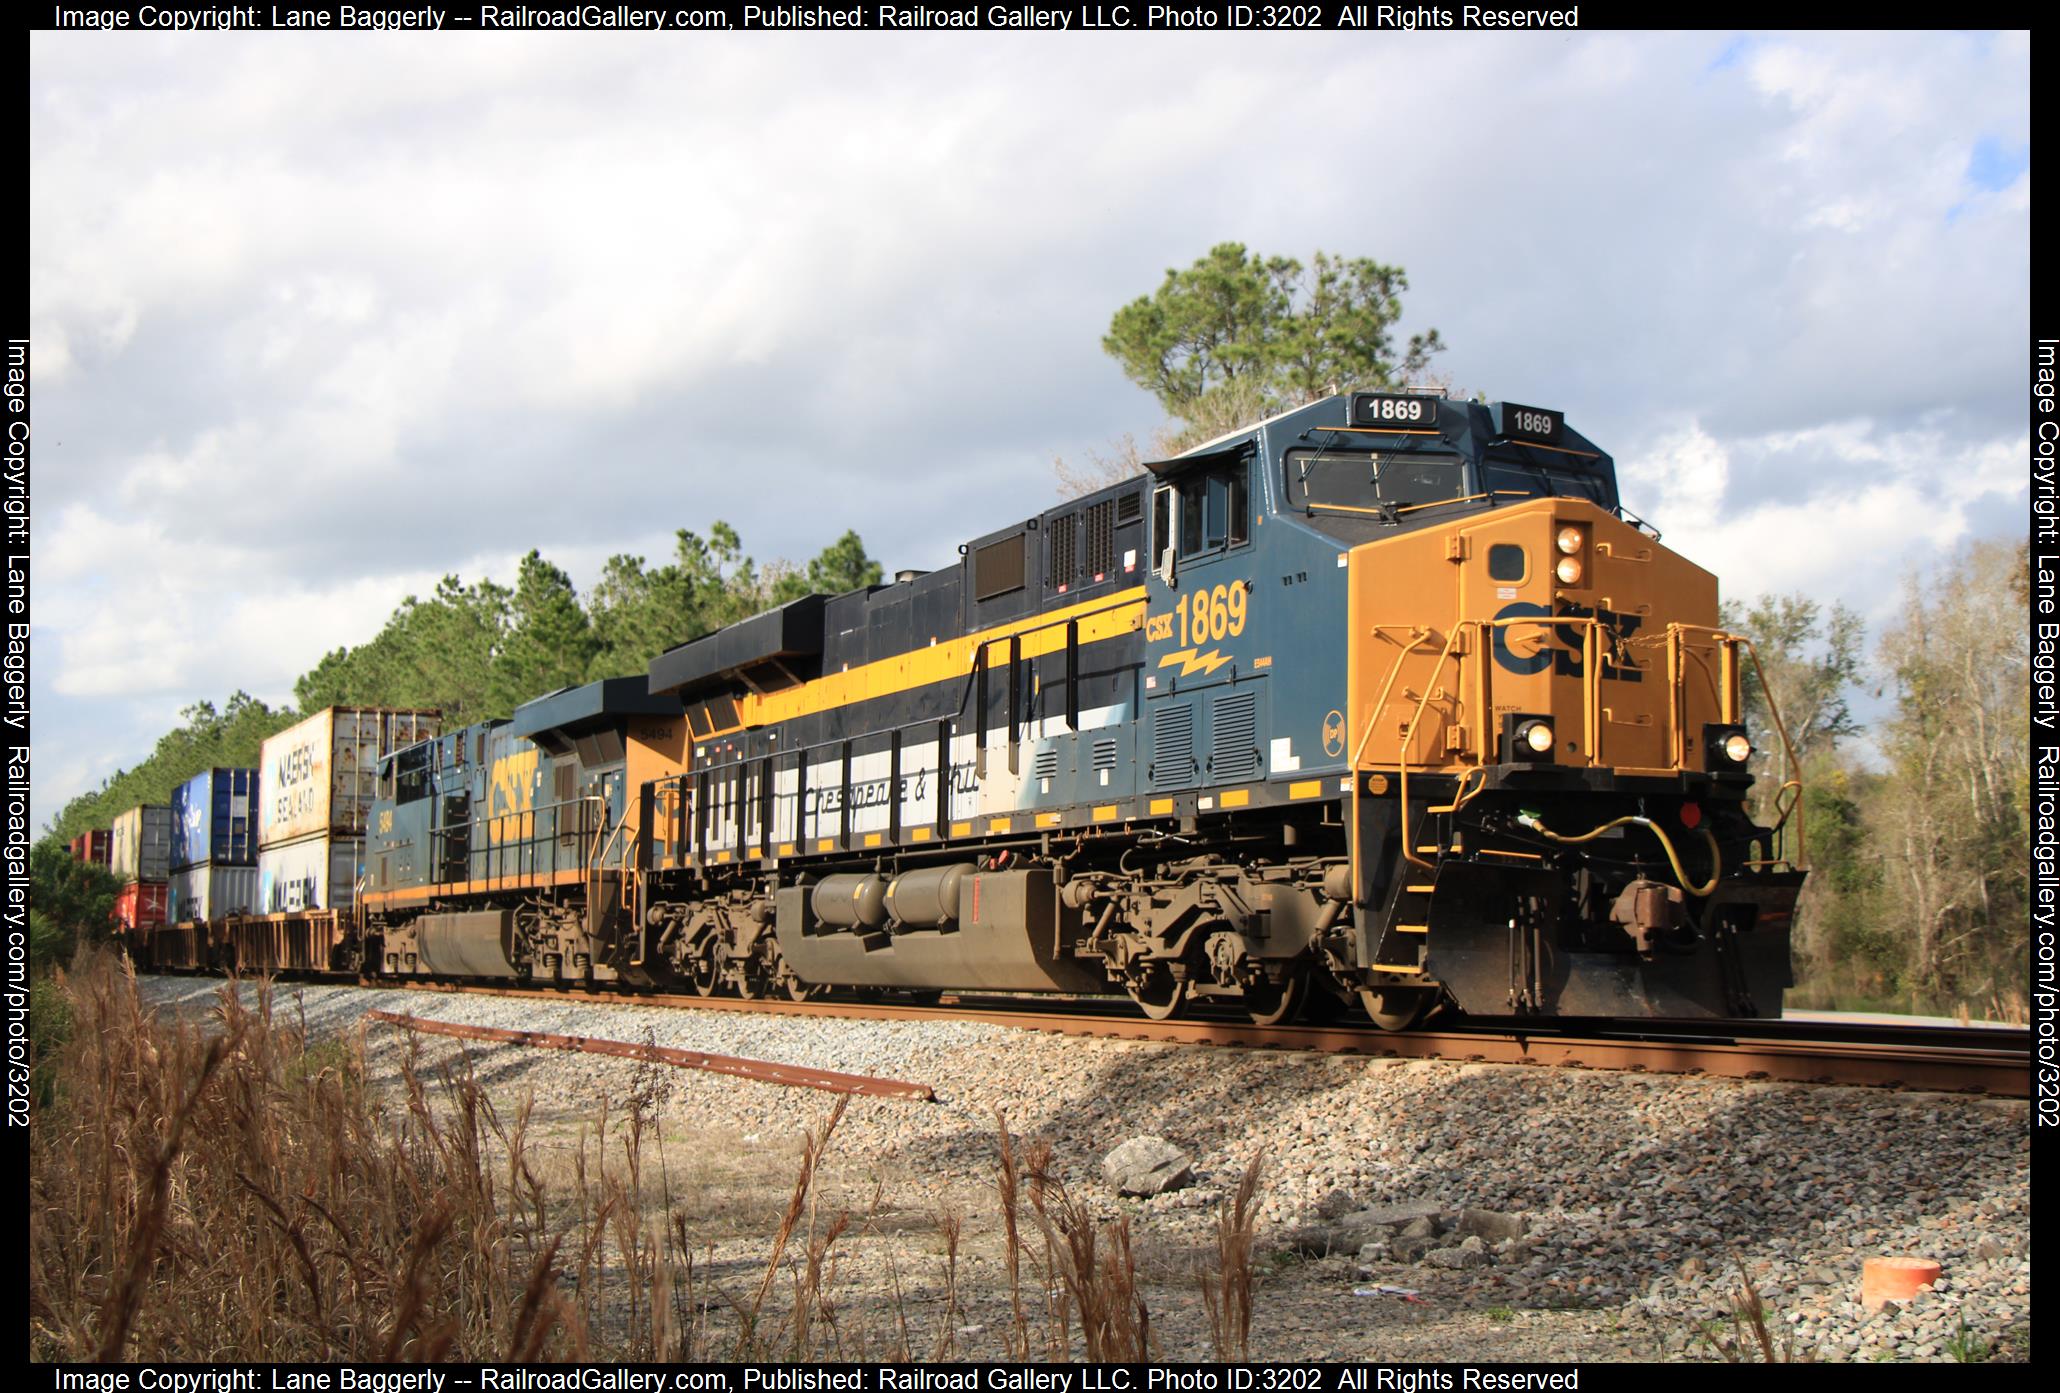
(1409, 733)
(1787, 798)
(1417, 638)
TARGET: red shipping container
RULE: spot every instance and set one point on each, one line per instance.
(140, 905)
(91, 846)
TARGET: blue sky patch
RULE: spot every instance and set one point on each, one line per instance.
(1994, 166)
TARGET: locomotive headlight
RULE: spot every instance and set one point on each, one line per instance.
(1526, 739)
(1569, 540)
(1726, 748)
(1568, 570)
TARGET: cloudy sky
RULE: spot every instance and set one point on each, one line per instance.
(317, 320)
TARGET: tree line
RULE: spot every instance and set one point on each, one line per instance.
(1918, 829)
(477, 651)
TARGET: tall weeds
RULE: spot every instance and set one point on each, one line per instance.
(1227, 1290)
(225, 1189)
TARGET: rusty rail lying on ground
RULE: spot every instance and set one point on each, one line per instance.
(1960, 1061)
(792, 1075)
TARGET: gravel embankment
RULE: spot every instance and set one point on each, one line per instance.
(1619, 1205)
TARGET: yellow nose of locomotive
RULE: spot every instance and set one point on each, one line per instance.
(1545, 632)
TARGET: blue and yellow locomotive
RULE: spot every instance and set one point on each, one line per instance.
(1384, 700)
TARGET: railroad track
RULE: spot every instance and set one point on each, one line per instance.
(1993, 1061)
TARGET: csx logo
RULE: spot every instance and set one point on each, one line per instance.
(1565, 657)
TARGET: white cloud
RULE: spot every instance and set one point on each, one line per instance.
(320, 319)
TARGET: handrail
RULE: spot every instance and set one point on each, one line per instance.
(981, 644)
(1409, 733)
(496, 850)
(1802, 850)
(1679, 653)
(1418, 637)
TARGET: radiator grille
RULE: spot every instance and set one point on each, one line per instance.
(1063, 564)
(1101, 540)
(1233, 749)
(998, 568)
(1173, 746)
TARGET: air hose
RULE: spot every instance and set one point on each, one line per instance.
(1530, 820)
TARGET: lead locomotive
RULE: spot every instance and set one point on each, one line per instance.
(1383, 700)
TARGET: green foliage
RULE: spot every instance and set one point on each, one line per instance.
(71, 902)
(1809, 660)
(435, 653)
(477, 651)
(549, 643)
(1963, 1346)
(1256, 335)
(1954, 813)
(1918, 895)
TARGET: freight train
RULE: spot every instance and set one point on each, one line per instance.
(1385, 703)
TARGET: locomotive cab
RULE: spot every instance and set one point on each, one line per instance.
(1439, 609)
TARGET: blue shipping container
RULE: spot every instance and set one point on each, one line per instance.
(215, 818)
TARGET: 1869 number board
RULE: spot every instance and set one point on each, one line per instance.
(1532, 423)
(1379, 411)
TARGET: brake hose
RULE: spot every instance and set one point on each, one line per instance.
(1530, 820)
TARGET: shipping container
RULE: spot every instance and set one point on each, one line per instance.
(91, 847)
(319, 777)
(211, 890)
(140, 905)
(140, 844)
(214, 818)
(312, 873)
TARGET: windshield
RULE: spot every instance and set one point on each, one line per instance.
(1512, 476)
(1364, 480)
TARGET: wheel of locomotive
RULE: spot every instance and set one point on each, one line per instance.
(1394, 1008)
(704, 972)
(1159, 995)
(1269, 1003)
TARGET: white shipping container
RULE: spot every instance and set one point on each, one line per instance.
(209, 891)
(321, 776)
(140, 844)
(312, 873)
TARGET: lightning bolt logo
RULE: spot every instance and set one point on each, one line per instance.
(1191, 664)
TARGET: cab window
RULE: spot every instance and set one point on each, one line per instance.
(411, 770)
(1205, 512)
(1507, 477)
(1372, 480)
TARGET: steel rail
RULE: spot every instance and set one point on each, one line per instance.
(1969, 1061)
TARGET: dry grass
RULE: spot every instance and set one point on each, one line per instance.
(228, 1191)
(1749, 1322)
(1227, 1291)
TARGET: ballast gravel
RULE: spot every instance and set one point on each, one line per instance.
(1614, 1212)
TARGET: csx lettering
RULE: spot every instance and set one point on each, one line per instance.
(1565, 661)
